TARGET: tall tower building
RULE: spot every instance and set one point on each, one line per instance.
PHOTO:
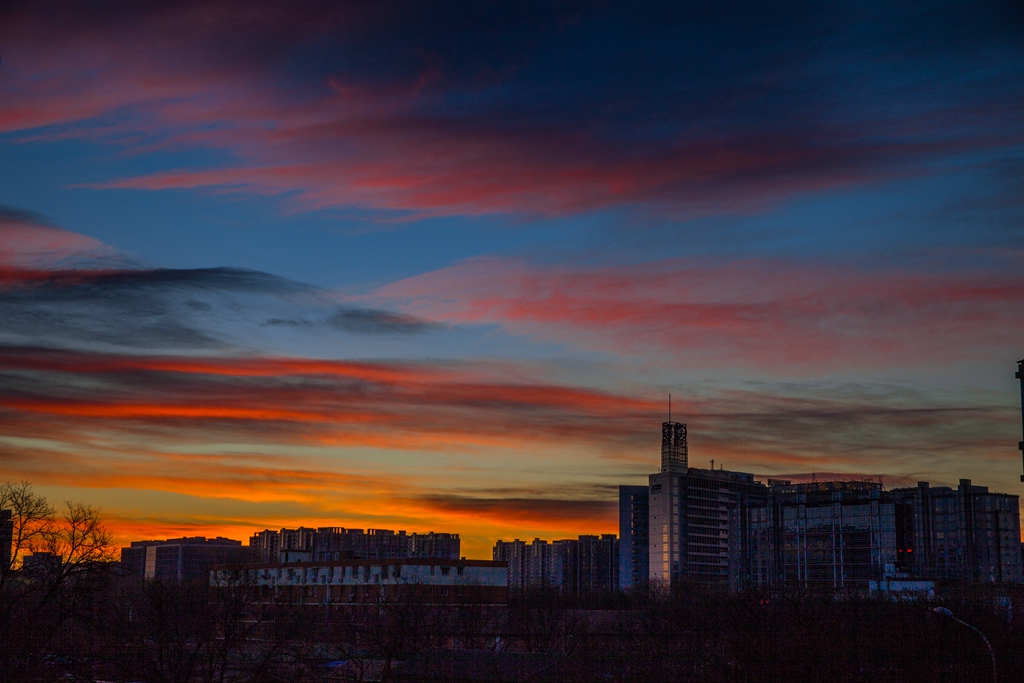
(698, 518)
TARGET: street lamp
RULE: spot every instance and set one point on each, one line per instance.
(991, 653)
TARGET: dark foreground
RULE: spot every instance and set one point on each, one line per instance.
(115, 628)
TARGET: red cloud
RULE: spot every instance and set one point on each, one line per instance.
(769, 314)
(29, 250)
(162, 80)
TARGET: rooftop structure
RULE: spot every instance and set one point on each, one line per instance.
(674, 450)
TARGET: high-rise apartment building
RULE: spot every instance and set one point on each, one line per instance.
(339, 543)
(435, 545)
(584, 565)
(634, 557)
(518, 556)
(598, 562)
(966, 533)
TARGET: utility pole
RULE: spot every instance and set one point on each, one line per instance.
(1020, 376)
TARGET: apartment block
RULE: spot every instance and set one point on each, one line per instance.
(582, 565)
(339, 543)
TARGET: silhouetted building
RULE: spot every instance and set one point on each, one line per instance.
(598, 563)
(845, 535)
(834, 534)
(434, 544)
(179, 559)
(583, 565)
(563, 569)
(634, 556)
(41, 563)
(698, 519)
(6, 538)
(965, 533)
(339, 543)
(723, 527)
(512, 554)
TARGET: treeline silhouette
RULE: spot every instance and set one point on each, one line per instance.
(78, 618)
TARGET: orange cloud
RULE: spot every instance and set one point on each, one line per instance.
(419, 446)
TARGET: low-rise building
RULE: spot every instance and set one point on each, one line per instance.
(362, 582)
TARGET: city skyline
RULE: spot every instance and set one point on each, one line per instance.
(439, 268)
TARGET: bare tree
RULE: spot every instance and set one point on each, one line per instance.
(33, 520)
(41, 605)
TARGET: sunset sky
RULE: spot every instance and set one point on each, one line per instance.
(438, 266)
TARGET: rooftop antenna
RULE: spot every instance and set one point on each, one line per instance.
(670, 407)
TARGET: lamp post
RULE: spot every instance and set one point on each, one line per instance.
(991, 653)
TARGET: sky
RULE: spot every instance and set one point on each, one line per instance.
(439, 266)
